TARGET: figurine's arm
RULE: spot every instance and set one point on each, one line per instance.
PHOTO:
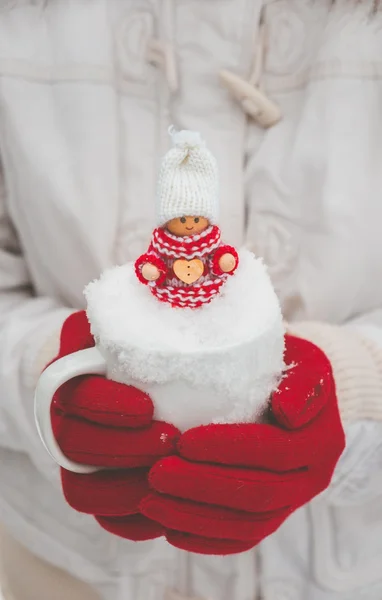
(151, 268)
(225, 260)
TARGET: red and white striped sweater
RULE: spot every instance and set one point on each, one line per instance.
(166, 248)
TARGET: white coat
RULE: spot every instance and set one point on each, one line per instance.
(87, 92)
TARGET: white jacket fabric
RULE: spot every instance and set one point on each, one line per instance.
(87, 92)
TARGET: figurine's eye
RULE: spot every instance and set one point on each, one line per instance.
(197, 220)
(183, 220)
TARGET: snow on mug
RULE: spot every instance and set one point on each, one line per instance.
(216, 364)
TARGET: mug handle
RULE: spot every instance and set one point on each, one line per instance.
(83, 362)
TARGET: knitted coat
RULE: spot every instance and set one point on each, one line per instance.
(166, 248)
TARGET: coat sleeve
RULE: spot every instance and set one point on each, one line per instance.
(29, 337)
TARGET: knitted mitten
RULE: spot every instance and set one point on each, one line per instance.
(103, 423)
(233, 485)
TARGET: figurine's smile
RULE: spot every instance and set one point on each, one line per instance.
(185, 226)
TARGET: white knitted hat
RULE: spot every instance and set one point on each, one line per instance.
(188, 180)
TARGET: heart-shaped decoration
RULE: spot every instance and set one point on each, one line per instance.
(188, 271)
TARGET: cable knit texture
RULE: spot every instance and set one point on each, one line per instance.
(188, 180)
(357, 367)
(165, 249)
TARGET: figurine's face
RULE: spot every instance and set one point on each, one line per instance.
(187, 225)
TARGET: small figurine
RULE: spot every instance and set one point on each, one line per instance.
(187, 263)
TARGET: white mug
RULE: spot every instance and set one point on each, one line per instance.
(190, 382)
(83, 362)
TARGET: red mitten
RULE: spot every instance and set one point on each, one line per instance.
(233, 485)
(224, 249)
(99, 422)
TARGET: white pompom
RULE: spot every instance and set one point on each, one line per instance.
(186, 138)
